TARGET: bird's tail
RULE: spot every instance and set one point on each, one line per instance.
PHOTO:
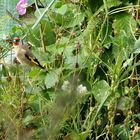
(43, 67)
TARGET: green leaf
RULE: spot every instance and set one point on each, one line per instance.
(67, 16)
(128, 62)
(34, 36)
(84, 135)
(89, 32)
(33, 72)
(52, 77)
(34, 103)
(123, 45)
(46, 94)
(124, 103)
(113, 3)
(62, 10)
(75, 136)
(121, 132)
(49, 35)
(124, 21)
(27, 120)
(101, 91)
(137, 46)
(42, 34)
(73, 19)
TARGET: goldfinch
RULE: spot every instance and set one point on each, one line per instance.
(24, 54)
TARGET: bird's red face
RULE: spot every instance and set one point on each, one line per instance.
(16, 41)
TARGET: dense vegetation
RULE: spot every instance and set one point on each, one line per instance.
(91, 90)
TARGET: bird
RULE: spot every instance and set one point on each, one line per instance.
(23, 53)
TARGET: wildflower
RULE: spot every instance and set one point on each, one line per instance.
(65, 85)
(21, 7)
(81, 89)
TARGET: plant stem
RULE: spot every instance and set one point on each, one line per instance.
(41, 16)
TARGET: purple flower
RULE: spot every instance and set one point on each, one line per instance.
(21, 6)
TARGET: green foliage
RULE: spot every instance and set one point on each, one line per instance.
(52, 78)
(6, 23)
(101, 91)
(90, 87)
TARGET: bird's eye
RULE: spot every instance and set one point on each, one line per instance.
(15, 40)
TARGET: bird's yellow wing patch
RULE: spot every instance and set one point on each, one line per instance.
(34, 60)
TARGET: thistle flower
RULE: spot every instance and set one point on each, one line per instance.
(21, 7)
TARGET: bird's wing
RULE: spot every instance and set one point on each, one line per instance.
(32, 59)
